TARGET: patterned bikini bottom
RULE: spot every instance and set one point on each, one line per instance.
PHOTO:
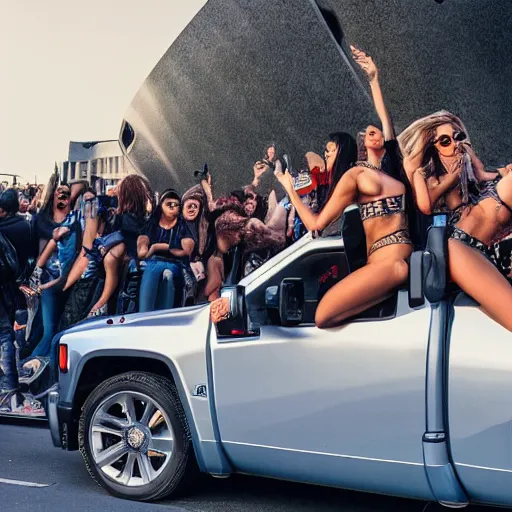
(398, 237)
(474, 243)
(503, 256)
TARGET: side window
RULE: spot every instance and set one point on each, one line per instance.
(319, 270)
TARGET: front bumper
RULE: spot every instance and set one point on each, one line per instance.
(63, 425)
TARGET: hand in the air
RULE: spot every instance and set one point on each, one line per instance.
(285, 179)
(259, 168)
(365, 62)
(206, 184)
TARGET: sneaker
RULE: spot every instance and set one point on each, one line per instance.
(31, 407)
(14, 403)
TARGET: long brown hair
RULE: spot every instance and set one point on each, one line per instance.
(134, 195)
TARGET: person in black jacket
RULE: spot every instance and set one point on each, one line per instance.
(15, 227)
(17, 231)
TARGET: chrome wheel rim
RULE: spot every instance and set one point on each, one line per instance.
(131, 438)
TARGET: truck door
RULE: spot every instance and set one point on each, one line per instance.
(480, 403)
(342, 406)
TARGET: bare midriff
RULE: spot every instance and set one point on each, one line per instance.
(485, 220)
(489, 217)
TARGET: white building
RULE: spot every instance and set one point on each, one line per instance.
(101, 159)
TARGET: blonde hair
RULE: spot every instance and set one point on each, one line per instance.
(416, 139)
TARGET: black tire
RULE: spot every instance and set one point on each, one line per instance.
(182, 466)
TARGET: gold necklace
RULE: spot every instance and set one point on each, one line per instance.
(363, 163)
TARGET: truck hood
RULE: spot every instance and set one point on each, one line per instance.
(178, 316)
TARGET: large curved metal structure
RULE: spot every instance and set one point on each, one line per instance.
(245, 72)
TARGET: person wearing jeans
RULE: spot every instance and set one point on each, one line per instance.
(166, 245)
(159, 283)
(8, 372)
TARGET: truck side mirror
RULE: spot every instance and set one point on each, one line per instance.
(288, 300)
(236, 323)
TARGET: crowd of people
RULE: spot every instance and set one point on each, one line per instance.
(68, 253)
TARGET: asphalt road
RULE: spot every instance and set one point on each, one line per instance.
(27, 454)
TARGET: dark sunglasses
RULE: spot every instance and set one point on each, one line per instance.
(172, 205)
(251, 196)
(192, 206)
(446, 140)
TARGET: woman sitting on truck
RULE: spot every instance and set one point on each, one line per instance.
(376, 186)
(441, 165)
(471, 257)
(381, 200)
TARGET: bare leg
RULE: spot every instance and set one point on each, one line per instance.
(360, 290)
(80, 265)
(111, 262)
(477, 276)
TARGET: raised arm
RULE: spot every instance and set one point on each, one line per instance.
(76, 190)
(207, 187)
(368, 66)
(344, 194)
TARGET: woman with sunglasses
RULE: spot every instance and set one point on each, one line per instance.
(166, 246)
(54, 214)
(441, 164)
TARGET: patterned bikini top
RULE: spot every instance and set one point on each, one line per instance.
(382, 207)
(488, 189)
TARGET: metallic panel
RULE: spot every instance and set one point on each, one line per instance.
(480, 403)
(362, 474)
(53, 418)
(357, 392)
(178, 338)
(246, 71)
(441, 475)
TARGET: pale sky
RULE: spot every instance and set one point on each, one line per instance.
(70, 70)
